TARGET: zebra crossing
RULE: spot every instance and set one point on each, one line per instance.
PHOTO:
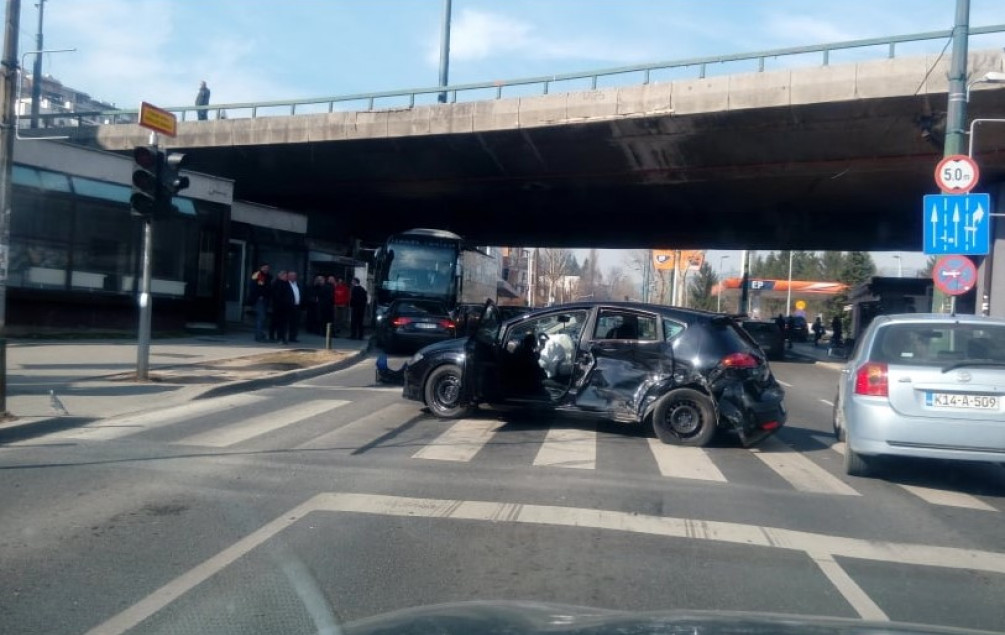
(392, 426)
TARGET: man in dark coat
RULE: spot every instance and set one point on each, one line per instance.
(259, 297)
(357, 306)
(202, 99)
(282, 305)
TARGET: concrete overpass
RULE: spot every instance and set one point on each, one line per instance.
(830, 157)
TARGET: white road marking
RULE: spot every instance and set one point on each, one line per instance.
(395, 389)
(852, 592)
(187, 581)
(684, 462)
(948, 498)
(802, 473)
(822, 548)
(365, 429)
(569, 447)
(236, 433)
(461, 441)
(126, 425)
(784, 383)
(829, 403)
(927, 494)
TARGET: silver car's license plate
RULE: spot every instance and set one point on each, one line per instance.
(957, 401)
(424, 325)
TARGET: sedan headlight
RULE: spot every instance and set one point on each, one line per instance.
(415, 359)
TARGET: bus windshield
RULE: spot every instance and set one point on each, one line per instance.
(420, 270)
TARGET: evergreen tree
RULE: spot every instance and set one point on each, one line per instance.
(700, 288)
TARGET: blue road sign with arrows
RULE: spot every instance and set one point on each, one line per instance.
(957, 224)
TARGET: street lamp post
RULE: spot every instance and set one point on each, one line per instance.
(718, 302)
(788, 293)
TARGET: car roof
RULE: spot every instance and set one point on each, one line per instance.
(667, 311)
(897, 318)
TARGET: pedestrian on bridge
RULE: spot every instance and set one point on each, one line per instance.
(202, 99)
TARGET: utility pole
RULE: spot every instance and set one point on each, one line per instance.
(956, 113)
(7, 122)
(36, 73)
(445, 50)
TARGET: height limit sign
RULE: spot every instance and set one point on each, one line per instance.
(957, 174)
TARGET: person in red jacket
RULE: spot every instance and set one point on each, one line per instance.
(341, 305)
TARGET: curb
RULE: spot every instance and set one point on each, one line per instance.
(284, 378)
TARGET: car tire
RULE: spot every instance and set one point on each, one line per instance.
(442, 392)
(838, 430)
(854, 463)
(684, 417)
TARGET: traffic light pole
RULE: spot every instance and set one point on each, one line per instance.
(8, 122)
(144, 299)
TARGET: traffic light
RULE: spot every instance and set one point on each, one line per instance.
(145, 198)
(171, 181)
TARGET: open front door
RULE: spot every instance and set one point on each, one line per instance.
(536, 355)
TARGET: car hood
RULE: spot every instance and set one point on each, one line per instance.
(534, 617)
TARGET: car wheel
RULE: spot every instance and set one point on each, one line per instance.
(854, 463)
(684, 417)
(443, 393)
(838, 430)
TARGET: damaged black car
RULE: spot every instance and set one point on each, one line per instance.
(687, 373)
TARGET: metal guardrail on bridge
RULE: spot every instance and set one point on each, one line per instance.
(451, 92)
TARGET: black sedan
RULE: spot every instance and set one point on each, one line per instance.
(768, 336)
(687, 373)
(413, 324)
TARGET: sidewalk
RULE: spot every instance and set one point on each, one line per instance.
(819, 354)
(96, 378)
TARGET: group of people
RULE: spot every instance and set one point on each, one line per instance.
(326, 301)
(787, 326)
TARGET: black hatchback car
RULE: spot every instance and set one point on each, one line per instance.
(413, 324)
(687, 373)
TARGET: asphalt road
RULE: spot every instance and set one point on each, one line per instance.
(293, 508)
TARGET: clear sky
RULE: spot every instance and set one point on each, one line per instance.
(260, 50)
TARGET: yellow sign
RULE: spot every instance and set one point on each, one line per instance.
(692, 259)
(801, 304)
(663, 259)
(158, 119)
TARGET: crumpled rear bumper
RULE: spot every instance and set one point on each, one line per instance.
(753, 417)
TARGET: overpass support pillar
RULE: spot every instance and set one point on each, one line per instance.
(991, 276)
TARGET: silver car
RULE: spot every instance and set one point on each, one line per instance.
(924, 385)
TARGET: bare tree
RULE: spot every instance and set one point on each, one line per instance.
(554, 266)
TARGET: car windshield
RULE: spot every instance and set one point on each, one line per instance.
(317, 311)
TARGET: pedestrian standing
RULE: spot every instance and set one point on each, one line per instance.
(259, 297)
(312, 305)
(341, 298)
(790, 330)
(836, 328)
(280, 308)
(202, 99)
(296, 305)
(818, 331)
(357, 306)
(326, 303)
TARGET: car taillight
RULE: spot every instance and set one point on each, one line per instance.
(401, 321)
(447, 324)
(739, 360)
(871, 380)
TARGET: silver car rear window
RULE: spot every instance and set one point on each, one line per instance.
(924, 344)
